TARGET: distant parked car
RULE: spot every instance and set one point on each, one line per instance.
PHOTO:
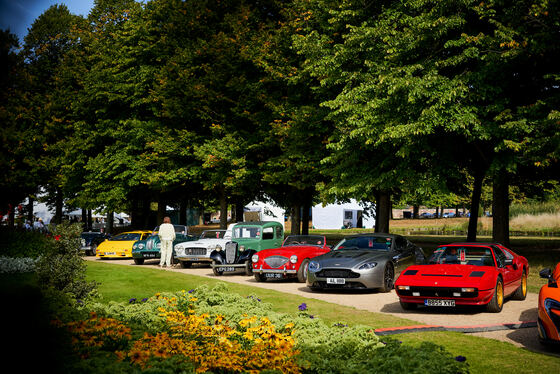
(291, 260)
(150, 248)
(90, 241)
(247, 239)
(365, 261)
(448, 215)
(548, 321)
(465, 274)
(427, 215)
(199, 251)
(121, 245)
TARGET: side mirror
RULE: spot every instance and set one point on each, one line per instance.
(545, 273)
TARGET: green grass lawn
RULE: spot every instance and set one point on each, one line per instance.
(120, 283)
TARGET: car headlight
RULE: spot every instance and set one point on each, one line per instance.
(368, 265)
(141, 246)
(241, 248)
(255, 258)
(293, 259)
(134, 246)
(83, 242)
(218, 247)
(314, 266)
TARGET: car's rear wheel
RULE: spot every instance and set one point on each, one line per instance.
(139, 261)
(521, 292)
(497, 302)
(186, 264)
(259, 277)
(388, 278)
(302, 271)
(407, 306)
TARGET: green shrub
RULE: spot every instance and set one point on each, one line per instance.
(19, 243)
(62, 268)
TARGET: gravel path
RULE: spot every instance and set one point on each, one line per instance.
(513, 312)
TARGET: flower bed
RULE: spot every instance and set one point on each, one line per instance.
(214, 330)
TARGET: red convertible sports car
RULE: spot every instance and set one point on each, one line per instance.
(465, 274)
(549, 307)
(289, 260)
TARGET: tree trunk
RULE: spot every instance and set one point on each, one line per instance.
(500, 208)
(84, 219)
(58, 201)
(109, 222)
(161, 209)
(415, 211)
(239, 205)
(305, 219)
(183, 212)
(89, 220)
(475, 204)
(295, 229)
(223, 209)
(383, 212)
(30, 209)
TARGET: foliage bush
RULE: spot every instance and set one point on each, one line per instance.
(62, 267)
(213, 329)
(22, 243)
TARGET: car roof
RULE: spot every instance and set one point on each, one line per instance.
(259, 223)
(379, 234)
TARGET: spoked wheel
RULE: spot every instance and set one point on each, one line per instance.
(497, 302)
(139, 261)
(521, 292)
(302, 272)
(259, 277)
(388, 278)
(248, 267)
(216, 271)
(186, 264)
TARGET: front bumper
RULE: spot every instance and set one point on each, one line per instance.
(346, 278)
(194, 258)
(480, 297)
(146, 254)
(116, 254)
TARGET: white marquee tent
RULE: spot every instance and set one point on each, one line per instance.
(340, 215)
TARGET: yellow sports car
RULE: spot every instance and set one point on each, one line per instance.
(121, 245)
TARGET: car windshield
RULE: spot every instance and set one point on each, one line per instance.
(126, 236)
(89, 235)
(247, 232)
(213, 234)
(304, 240)
(463, 255)
(371, 243)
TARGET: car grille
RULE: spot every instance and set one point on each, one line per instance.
(275, 261)
(437, 292)
(231, 249)
(195, 251)
(149, 244)
(337, 273)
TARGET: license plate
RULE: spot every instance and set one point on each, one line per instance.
(193, 258)
(109, 253)
(150, 255)
(229, 268)
(273, 275)
(336, 281)
(435, 302)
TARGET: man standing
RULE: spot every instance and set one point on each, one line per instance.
(166, 235)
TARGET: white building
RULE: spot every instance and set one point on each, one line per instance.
(340, 215)
(261, 211)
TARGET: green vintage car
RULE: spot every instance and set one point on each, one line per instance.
(247, 239)
(149, 249)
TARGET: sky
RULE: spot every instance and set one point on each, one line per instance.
(18, 15)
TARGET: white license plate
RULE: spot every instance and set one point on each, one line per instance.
(229, 268)
(336, 281)
(109, 253)
(193, 258)
(273, 275)
(435, 302)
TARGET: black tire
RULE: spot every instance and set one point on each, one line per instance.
(408, 306)
(302, 271)
(259, 277)
(186, 264)
(93, 251)
(139, 261)
(388, 278)
(216, 271)
(248, 267)
(521, 292)
(497, 302)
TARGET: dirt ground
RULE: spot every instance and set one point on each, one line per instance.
(514, 312)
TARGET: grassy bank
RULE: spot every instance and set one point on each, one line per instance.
(120, 283)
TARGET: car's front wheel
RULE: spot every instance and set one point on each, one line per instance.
(216, 271)
(497, 302)
(249, 267)
(186, 264)
(407, 306)
(388, 278)
(139, 261)
(259, 277)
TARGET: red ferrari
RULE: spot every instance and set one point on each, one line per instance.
(290, 260)
(465, 274)
(549, 307)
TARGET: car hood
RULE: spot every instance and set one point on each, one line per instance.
(117, 244)
(205, 243)
(351, 258)
(448, 275)
(287, 251)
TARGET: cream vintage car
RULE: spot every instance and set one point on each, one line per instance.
(199, 251)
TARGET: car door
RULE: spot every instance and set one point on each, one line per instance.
(509, 273)
(405, 255)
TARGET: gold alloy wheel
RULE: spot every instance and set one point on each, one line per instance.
(524, 284)
(500, 294)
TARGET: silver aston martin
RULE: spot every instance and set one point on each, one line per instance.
(365, 261)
